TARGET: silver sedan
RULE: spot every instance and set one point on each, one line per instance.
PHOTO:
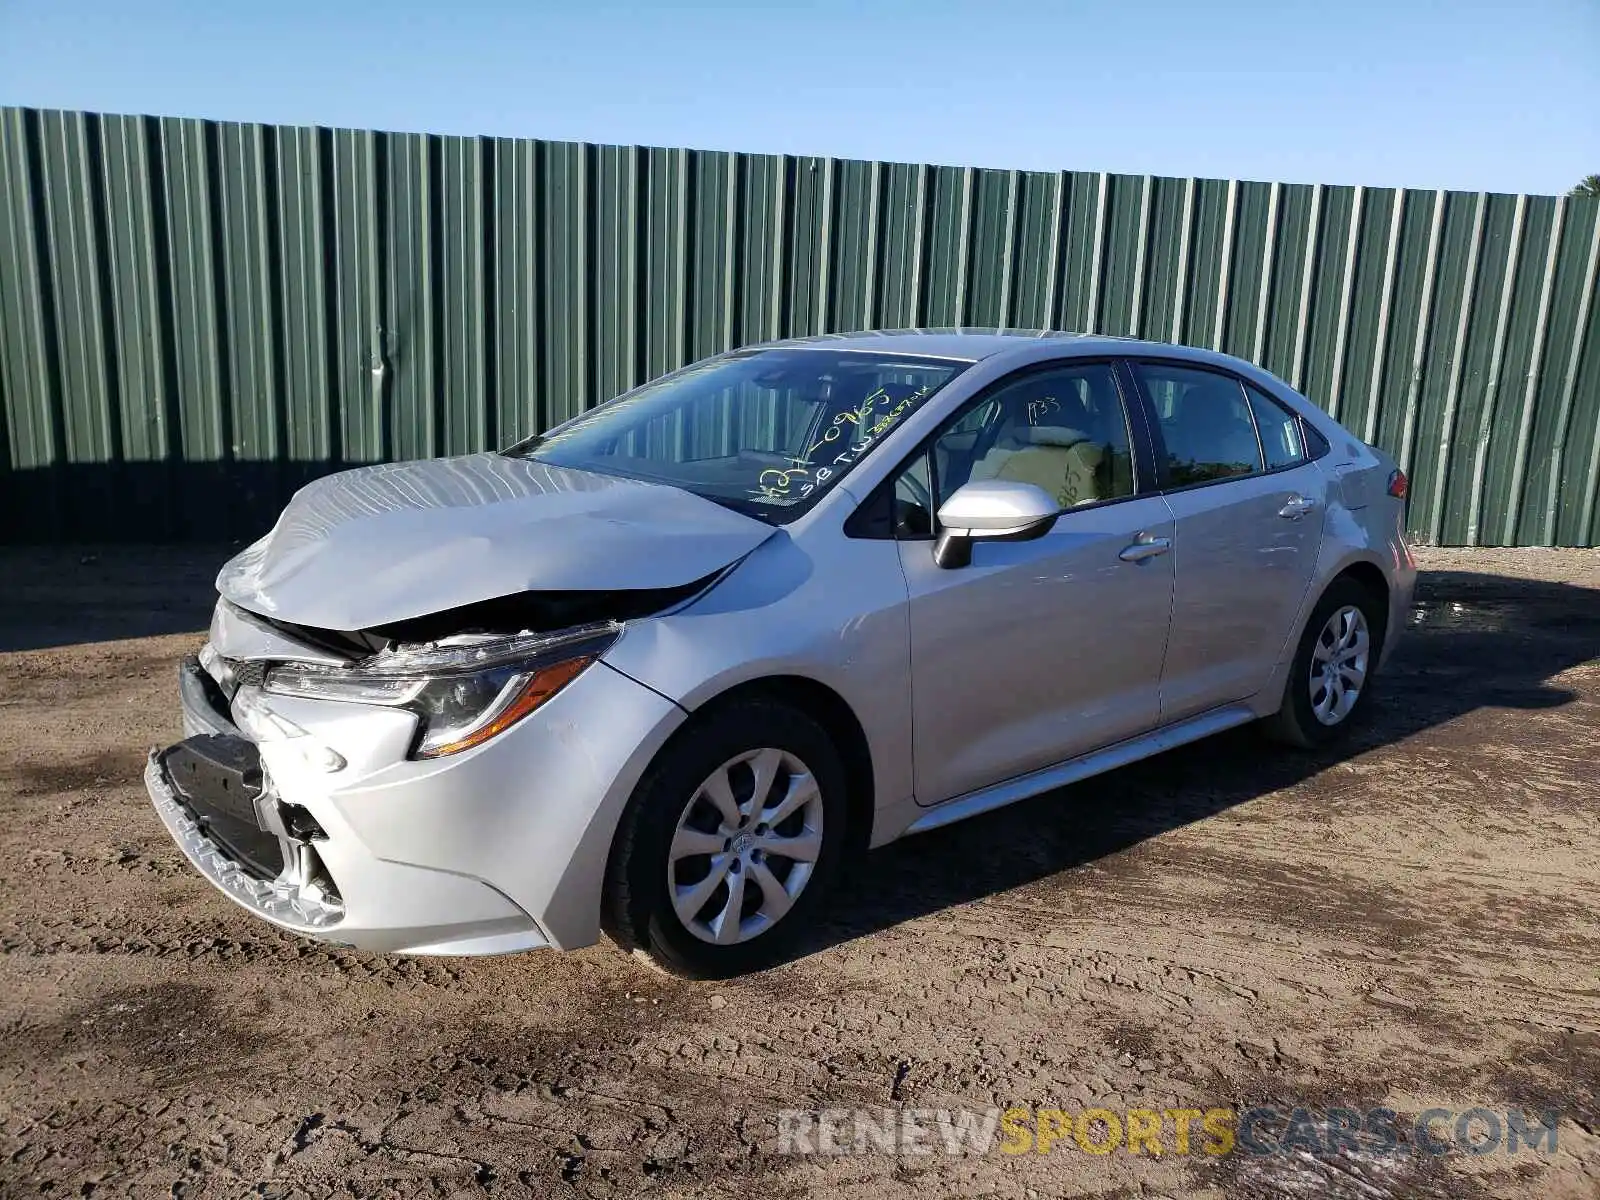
(670, 668)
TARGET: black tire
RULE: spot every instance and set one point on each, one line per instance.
(638, 912)
(1296, 723)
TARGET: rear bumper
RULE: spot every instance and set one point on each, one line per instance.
(1402, 595)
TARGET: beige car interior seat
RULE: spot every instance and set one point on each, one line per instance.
(1045, 440)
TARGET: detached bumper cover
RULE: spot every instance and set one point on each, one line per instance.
(277, 901)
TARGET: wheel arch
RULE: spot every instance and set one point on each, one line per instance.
(1371, 577)
(831, 711)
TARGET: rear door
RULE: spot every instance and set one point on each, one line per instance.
(1248, 506)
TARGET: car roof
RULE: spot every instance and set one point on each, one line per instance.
(973, 345)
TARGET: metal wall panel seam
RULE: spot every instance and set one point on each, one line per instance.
(1541, 333)
(730, 257)
(1268, 253)
(780, 244)
(536, 212)
(202, 301)
(1053, 288)
(313, 329)
(267, 288)
(825, 250)
(869, 304)
(1140, 255)
(376, 366)
(1420, 350)
(1386, 301)
(86, 300)
(1180, 290)
(154, 294)
(1569, 388)
(586, 191)
(29, 361)
(918, 238)
(680, 265)
(420, 209)
(964, 244)
(1452, 402)
(1219, 322)
(1480, 459)
(1308, 266)
(48, 434)
(1341, 341)
(633, 169)
(1008, 252)
(1097, 253)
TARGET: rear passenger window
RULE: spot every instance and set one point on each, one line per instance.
(1205, 422)
(1280, 431)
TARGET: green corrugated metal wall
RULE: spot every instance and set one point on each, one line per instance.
(197, 317)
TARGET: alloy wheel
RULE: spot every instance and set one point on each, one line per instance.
(745, 846)
(1339, 665)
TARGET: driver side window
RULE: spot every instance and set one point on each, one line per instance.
(1063, 429)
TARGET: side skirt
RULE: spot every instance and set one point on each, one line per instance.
(1111, 757)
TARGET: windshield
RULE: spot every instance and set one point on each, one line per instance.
(766, 432)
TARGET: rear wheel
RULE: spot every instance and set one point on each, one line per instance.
(1330, 679)
(730, 842)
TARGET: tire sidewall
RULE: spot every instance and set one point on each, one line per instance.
(713, 740)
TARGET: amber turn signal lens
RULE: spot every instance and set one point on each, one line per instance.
(535, 690)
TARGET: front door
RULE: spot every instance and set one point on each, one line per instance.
(1037, 651)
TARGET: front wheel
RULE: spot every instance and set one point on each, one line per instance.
(730, 842)
(1330, 679)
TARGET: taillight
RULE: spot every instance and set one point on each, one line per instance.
(1399, 485)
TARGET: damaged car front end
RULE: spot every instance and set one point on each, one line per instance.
(400, 735)
(368, 790)
(439, 699)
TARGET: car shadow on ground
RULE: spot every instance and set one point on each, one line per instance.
(1472, 642)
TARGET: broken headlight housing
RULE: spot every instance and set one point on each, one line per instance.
(463, 690)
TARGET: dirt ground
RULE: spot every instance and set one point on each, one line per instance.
(1412, 922)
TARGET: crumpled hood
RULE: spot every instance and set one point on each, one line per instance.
(386, 543)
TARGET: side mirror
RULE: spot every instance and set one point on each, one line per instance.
(991, 510)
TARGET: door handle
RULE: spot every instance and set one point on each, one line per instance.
(1145, 547)
(1296, 507)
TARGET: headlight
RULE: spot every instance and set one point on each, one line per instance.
(464, 693)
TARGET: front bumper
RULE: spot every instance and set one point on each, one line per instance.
(393, 907)
(280, 901)
(498, 849)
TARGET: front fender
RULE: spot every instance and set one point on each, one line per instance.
(837, 617)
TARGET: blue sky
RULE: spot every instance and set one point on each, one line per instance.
(1429, 93)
